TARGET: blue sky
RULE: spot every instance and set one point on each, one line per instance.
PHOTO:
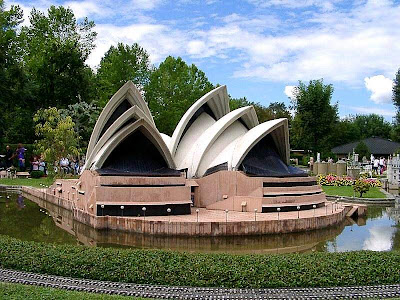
(261, 48)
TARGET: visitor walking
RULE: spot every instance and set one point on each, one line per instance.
(20, 152)
(376, 165)
(9, 157)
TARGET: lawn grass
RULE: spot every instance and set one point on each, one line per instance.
(19, 291)
(347, 191)
(35, 182)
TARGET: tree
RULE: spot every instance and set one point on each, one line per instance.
(56, 47)
(315, 117)
(275, 110)
(173, 87)
(372, 125)
(362, 150)
(279, 110)
(11, 74)
(84, 116)
(361, 186)
(120, 64)
(396, 101)
(57, 136)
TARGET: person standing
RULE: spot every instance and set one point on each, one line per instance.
(9, 157)
(21, 157)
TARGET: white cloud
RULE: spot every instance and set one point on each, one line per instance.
(145, 4)
(85, 8)
(380, 87)
(373, 110)
(290, 91)
(159, 40)
(380, 239)
(324, 4)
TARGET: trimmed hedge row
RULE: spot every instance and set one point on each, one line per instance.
(189, 269)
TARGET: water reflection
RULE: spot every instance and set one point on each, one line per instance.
(30, 220)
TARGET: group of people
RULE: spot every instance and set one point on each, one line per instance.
(70, 165)
(19, 154)
(378, 164)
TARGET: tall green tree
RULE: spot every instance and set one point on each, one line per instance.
(11, 71)
(275, 110)
(315, 117)
(84, 115)
(396, 101)
(56, 136)
(372, 125)
(56, 47)
(173, 87)
(120, 64)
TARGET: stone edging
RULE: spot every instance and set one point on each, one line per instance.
(361, 200)
(181, 292)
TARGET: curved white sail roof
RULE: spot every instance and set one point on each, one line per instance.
(126, 97)
(132, 114)
(147, 129)
(217, 100)
(209, 147)
(279, 131)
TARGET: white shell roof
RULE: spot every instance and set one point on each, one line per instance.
(217, 100)
(151, 133)
(127, 92)
(196, 145)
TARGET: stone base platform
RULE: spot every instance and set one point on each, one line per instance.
(209, 222)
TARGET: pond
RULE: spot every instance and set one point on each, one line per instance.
(37, 220)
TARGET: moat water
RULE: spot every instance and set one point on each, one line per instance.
(37, 220)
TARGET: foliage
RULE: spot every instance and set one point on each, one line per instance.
(396, 102)
(19, 291)
(56, 47)
(275, 110)
(361, 186)
(37, 174)
(57, 137)
(120, 64)
(347, 191)
(173, 87)
(362, 150)
(199, 269)
(84, 116)
(11, 75)
(315, 117)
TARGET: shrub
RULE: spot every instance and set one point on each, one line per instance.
(361, 186)
(199, 269)
(37, 174)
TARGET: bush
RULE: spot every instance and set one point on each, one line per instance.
(361, 186)
(37, 174)
(199, 269)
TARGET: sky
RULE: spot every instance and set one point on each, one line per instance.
(261, 49)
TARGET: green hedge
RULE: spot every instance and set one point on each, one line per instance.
(189, 269)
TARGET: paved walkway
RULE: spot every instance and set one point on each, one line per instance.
(167, 292)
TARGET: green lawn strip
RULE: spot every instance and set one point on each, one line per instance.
(35, 182)
(19, 291)
(373, 192)
(199, 269)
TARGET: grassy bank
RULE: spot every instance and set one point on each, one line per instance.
(35, 182)
(19, 291)
(347, 191)
(196, 269)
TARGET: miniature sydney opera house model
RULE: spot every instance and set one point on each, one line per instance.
(215, 160)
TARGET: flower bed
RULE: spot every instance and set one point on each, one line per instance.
(334, 180)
